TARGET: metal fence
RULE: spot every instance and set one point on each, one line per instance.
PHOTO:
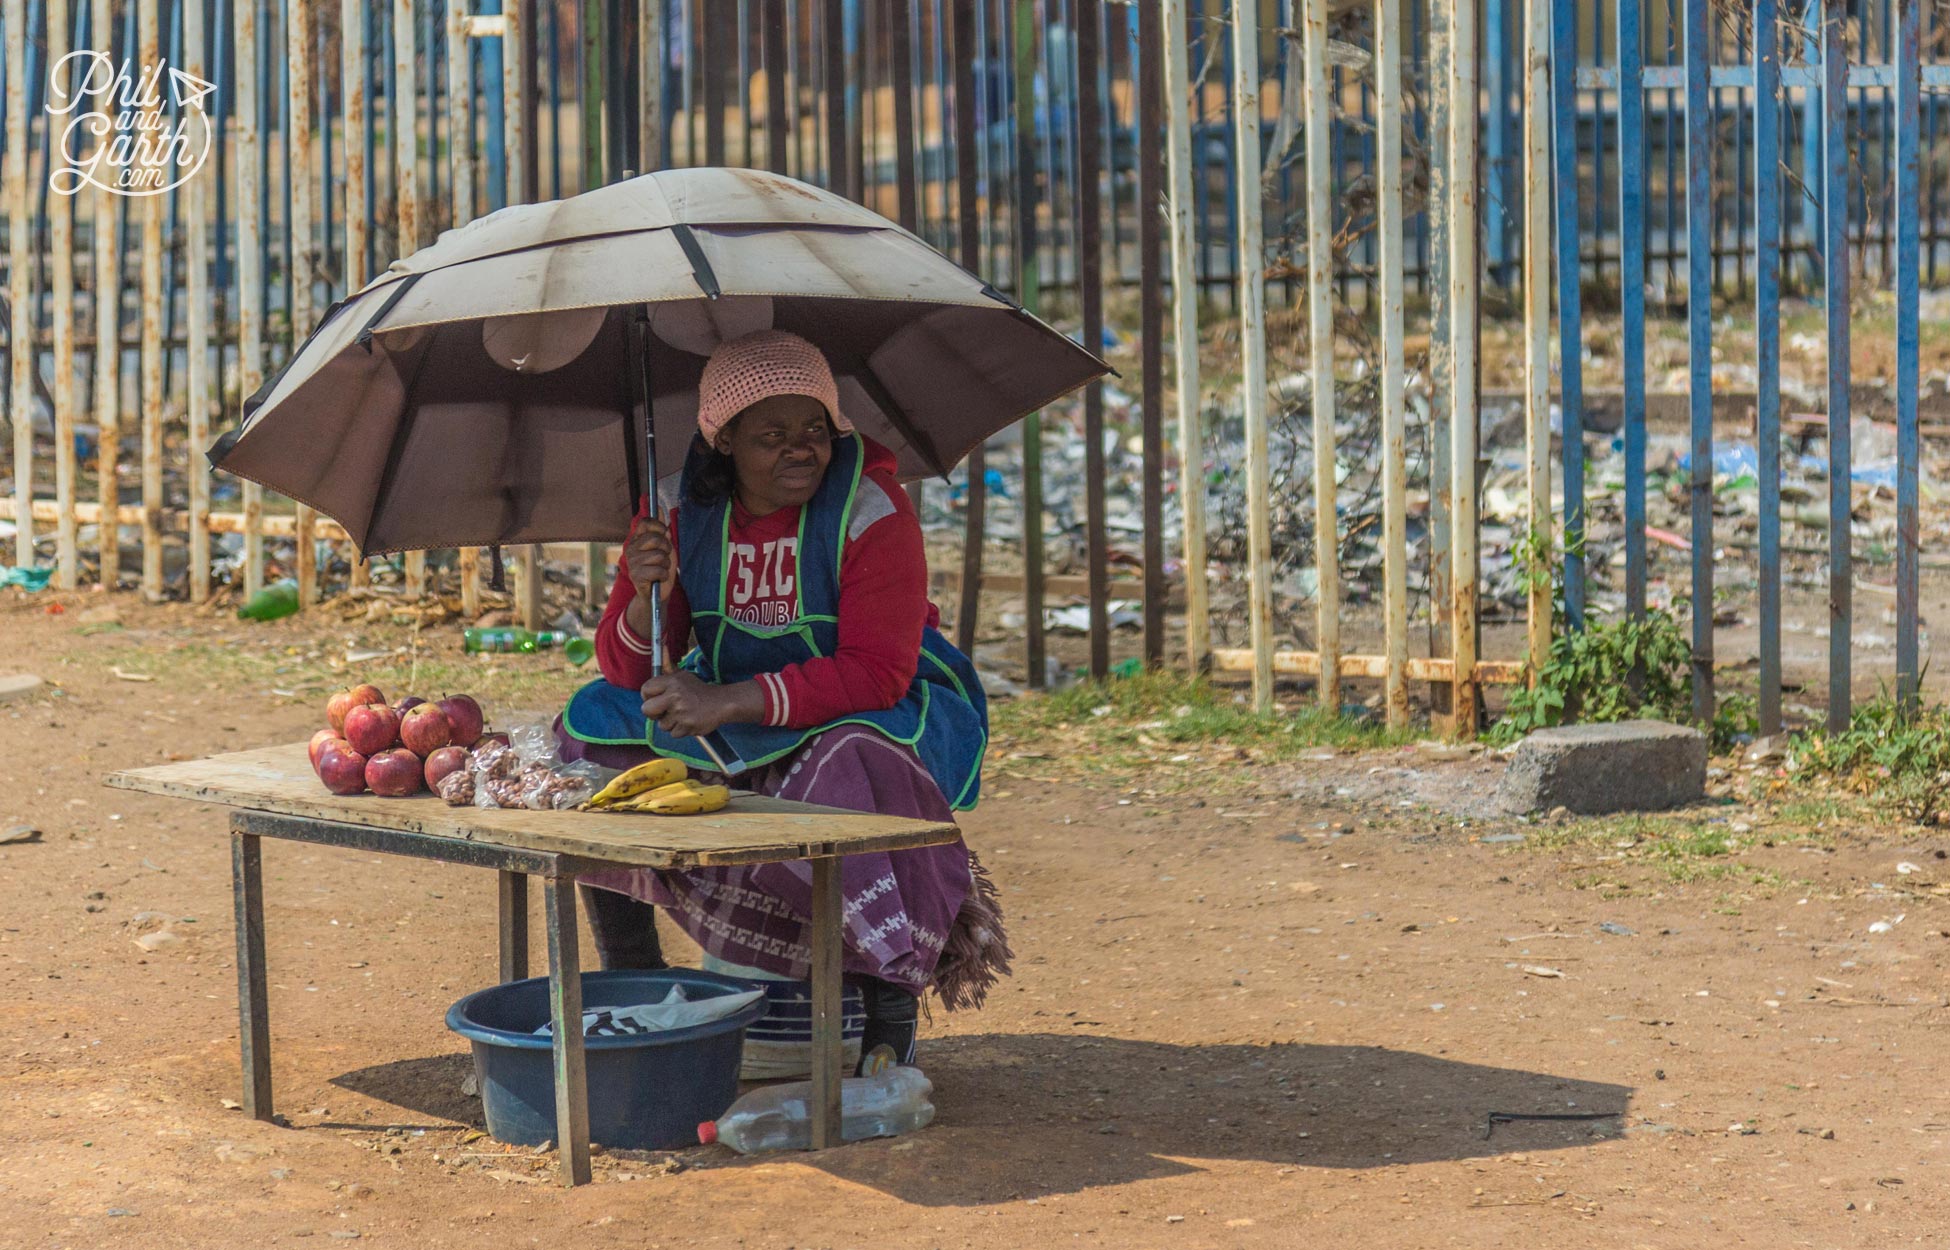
(348, 135)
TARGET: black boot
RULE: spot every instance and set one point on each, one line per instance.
(625, 930)
(893, 1022)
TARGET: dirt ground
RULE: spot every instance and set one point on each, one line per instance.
(1254, 1003)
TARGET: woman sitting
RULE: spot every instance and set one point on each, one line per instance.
(796, 562)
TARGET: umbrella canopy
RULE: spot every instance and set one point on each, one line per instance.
(481, 391)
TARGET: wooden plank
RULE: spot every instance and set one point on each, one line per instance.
(1252, 345)
(754, 829)
(565, 1014)
(253, 1000)
(828, 915)
(1417, 668)
(175, 519)
(355, 125)
(108, 364)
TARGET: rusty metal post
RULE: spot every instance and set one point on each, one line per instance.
(1537, 320)
(1394, 443)
(1463, 431)
(196, 259)
(20, 286)
(460, 147)
(154, 402)
(1090, 282)
(1252, 345)
(250, 268)
(107, 397)
(1320, 325)
(60, 212)
(835, 94)
(650, 79)
(405, 135)
(517, 89)
(717, 56)
(1184, 308)
(969, 233)
(355, 124)
(1151, 223)
(773, 54)
(298, 141)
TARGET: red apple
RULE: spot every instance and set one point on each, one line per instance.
(319, 741)
(342, 769)
(496, 736)
(466, 717)
(425, 730)
(443, 763)
(371, 728)
(395, 773)
(341, 704)
(407, 704)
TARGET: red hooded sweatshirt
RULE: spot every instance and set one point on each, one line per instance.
(883, 604)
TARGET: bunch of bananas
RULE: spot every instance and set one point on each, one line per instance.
(660, 787)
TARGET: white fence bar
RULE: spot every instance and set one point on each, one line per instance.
(1184, 334)
(1394, 447)
(1252, 345)
(1320, 326)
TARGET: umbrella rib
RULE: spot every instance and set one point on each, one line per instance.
(707, 280)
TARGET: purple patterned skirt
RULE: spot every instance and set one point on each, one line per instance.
(926, 918)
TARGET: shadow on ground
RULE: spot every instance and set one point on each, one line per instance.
(430, 1086)
(1032, 1114)
(1023, 1115)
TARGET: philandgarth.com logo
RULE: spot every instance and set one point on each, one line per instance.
(126, 141)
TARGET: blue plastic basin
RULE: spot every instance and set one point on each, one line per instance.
(648, 1092)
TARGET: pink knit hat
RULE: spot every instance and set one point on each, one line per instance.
(758, 366)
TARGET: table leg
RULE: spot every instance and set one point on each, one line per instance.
(565, 1015)
(253, 1011)
(828, 921)
(514, 925)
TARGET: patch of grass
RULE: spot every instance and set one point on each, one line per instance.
(1897, 756)
(1128, 724)
(309, 671)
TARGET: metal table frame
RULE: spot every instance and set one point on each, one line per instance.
(248, 829)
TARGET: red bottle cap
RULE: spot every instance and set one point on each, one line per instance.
(707, 1132)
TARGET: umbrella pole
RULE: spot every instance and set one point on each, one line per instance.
(640, 365)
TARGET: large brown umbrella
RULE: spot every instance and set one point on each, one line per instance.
(486, 389)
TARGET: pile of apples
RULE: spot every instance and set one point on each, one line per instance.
(397, 749)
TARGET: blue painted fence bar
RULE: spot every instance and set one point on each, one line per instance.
(1767, 323)
(1631, 226)
(1564, 161)
(1699, 307)
(1908, 448)
(1834, 268)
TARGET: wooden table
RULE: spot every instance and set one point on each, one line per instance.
(278, 796)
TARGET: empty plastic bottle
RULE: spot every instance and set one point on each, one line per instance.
(777, 1117)
(507, 638)
(278, 599)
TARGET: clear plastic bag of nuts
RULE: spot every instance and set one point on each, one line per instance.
(526, 772)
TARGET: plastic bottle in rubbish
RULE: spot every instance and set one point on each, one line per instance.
(777, 1117)
(278, 599)
(510, 639)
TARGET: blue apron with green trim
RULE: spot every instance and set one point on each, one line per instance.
(943, 716)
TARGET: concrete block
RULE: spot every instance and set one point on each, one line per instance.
(1626, 766)
(18, 686)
